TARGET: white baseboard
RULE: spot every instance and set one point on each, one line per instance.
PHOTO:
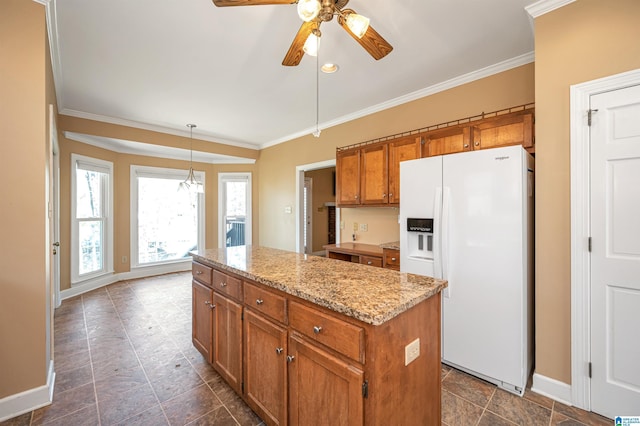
(140, 272)
(29, 400)
(552, 388)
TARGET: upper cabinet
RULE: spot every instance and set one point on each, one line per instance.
(368, 174)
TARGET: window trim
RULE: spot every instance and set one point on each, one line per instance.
(231, 177)
(161, 173)
(107, 246)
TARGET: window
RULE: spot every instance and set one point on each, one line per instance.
(92, 213)
(166, 223)
(234, 209)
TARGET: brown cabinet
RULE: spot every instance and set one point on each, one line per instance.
(227, 340)
(265, 368)
(319, 380)
(391, 259)
(400, 150)
(371, 261)
(366, 254)
(202, 318)
(447, 141)
(511, 129)
(374, 183)
(348, 178)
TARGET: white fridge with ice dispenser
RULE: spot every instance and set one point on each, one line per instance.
(468, 218)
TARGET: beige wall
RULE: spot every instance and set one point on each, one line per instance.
(23, 212)
(278, 163)
(582, 41)
(382, 224)
(122, 217)
(323, 191)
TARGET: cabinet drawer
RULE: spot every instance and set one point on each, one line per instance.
(371, 261)
(228, 285)
(266, 302)
(201, 273)
(392, 259)
(339, 335)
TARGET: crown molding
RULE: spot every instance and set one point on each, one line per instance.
(152, 127)
(542, 7)
(431, 90)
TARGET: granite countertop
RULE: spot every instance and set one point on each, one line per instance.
(371, 295)
(395, 245)
(355, 248)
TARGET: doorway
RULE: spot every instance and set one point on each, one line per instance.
(234, 209)
(605, 246)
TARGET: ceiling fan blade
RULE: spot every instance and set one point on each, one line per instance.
(295, 53)
(223, 3)
(371, 41)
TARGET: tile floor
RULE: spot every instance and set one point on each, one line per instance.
(123, 356)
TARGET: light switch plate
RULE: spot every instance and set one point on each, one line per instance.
(364, 227)
(411, 351)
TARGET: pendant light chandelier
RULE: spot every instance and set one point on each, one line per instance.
(191, 184)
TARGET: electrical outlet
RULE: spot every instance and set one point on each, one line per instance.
(355, 226)
(364, 227)
(411, 351)
(287, 209)
(124, 259)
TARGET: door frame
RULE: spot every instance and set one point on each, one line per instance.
(300, 220)
(580, 96)
(224, 177)
(308, 221)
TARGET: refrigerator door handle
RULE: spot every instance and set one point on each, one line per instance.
(437, 217)
(444, 231)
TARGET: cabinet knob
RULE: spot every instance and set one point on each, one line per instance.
(390, 195)
(477, 144)
(206, 302)
(384, 195)
(259, 301)
(466, 145)
(223, 284)
(290, 358)
(279, 350)
(212, 306)
(317, 329)
(393, 259)
(356, 197)
(198, 272)
(369, 262)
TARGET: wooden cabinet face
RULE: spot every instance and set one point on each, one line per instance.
(202, 319)
(348, 177)
(227, 340)
(401, 150)
(265, 369)
(391, 259)
(318, 380)
(513, 129)
(447, 141)
(374, 183)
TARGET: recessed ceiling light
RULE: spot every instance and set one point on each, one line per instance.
(329, 68)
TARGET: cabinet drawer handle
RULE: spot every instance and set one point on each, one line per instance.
(317, 329)
(212, 306)
(259, 301)
(369, 262)
(393, 259)
(290, 358)
(198, 272)
(279, 350)
(223, 284)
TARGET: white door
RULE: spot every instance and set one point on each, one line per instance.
(234, 209)
(615, 256)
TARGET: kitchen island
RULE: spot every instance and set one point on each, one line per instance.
(308, 340)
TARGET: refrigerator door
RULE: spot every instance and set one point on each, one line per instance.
(483, 315)
(421, 181)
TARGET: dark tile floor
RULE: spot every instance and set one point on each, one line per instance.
(123, 356)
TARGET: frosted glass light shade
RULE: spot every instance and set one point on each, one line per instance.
(358, 24)
(308, 9)
(312, 45)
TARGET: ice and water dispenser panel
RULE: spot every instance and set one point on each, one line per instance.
(420, 238)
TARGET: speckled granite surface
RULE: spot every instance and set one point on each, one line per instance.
(372, 295)
(395, 245)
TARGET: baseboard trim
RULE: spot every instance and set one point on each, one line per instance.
(29, 400)
(141, 272)
(552, 388)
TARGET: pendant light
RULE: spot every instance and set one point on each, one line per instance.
(191, 184)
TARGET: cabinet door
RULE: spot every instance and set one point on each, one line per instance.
(348, 177)
(265, 369)
(323, 390)
(400, 150)
(374, 179)
(447, 141)
(202, 319)
(227, 340)
(511, 129)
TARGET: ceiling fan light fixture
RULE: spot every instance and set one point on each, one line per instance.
(308, 10)
(358, 24)
(312, 45)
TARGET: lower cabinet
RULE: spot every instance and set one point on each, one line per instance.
(202, 318)
(227, 340)
(318, 380)
(265, 368)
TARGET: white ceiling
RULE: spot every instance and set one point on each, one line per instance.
(159, 64)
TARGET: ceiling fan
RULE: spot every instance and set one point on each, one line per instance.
(314, 13)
